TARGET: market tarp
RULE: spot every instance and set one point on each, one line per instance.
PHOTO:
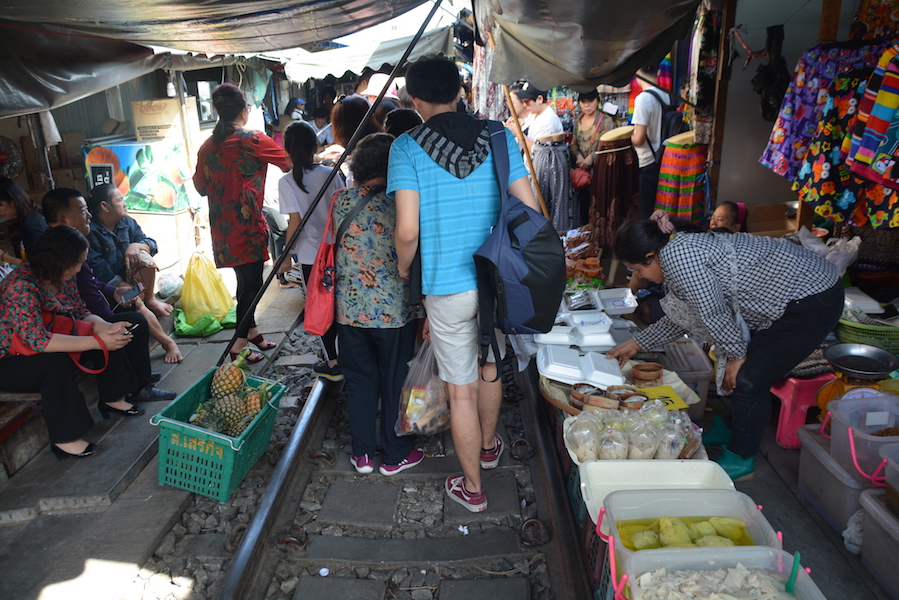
(580, 43)
(300, 65)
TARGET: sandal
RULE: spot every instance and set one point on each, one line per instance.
(252, 358)
(260, 343)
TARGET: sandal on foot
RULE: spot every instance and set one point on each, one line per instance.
(261, 343)
(252, 358)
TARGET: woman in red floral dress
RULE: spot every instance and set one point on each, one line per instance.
(231, 168)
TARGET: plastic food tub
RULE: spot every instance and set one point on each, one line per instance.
(890, 453)
(712, 559)
(616, 301)
(865, 416)
(880, 543)
(832, 490)
(686, 358)
(652, 504)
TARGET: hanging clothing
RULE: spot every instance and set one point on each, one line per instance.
(876, 152)
(681, 191)
(875, 19)
(704, 67)
(615, 189)
(551, 170)
(804, 100)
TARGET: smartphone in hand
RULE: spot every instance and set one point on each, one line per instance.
(133, 292)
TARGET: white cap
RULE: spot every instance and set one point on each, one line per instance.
(376, 83)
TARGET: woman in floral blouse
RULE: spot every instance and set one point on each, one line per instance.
(591, 124)
(231, 167)
(377, 326)
(46, 282)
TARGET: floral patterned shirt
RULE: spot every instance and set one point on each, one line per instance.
(369, 292)
(22, 298)
(232, 176)
(586, 141)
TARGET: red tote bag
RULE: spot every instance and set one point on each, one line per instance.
(320, 287)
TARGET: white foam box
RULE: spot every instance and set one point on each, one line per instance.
(686, 358)
(566, 365)
(616, 301)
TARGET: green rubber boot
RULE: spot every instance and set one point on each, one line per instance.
(736, 467)
(718, 434)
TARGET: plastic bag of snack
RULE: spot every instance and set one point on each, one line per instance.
(424, 406)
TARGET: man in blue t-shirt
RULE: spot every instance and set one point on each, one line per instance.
(442, 176)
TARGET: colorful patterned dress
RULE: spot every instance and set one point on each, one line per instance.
(232, 176)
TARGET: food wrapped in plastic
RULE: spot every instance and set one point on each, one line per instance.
(612, 444)
(643, 440)
(613, 419)
(673, 532)
(655, 412)
(581, 300)
(733, 529)
(673, 438)
(582, 436)
(646, 540)
(714, 541)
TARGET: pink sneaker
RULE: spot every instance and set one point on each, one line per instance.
(362, 463)
(490, 458)
(414, 457)
(455, 489)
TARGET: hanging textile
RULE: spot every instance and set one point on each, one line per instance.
(616, 187)
(852, 143)
(704, 67)
(875, 19)
(664, 77)
(562, 100)
(552, 172)
(802, 104)
(681, 191)
(489, 98)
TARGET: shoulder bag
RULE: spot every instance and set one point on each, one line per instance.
(65, 325)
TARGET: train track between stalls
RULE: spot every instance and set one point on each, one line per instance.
(323, 531)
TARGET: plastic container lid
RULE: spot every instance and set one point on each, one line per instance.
(595, 319)
(559, 335)
(712, 559)
(592, 338)
(600, 370)
(616, 301)
(568, 366)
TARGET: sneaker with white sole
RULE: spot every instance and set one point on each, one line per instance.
(330, 373)
(490, 458)
(294, 275)
(414, 457)
(362, 463)
(455, 489)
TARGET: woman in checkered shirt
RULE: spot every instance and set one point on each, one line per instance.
(765, 303)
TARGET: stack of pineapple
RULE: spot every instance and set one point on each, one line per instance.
(232, 403)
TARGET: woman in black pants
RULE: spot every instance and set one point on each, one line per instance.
(765, 303)
(46, 283)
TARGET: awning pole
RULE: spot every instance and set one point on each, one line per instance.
(527, 154)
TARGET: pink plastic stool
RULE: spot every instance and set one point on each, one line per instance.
(796, 397)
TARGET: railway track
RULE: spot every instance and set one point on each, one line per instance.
(323, 531)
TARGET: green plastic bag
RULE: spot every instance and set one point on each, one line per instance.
(206, 325)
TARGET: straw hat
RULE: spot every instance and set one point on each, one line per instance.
(619, 133)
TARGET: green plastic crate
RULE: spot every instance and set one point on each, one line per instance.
(202, 461)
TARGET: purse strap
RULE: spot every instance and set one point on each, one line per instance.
(355, 212)
(105, 352)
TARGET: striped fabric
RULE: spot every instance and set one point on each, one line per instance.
(681, 188)
(852, 143)
(877, 153)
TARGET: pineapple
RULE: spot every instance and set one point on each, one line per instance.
(254, 401)
(230, 378)
(230, 409)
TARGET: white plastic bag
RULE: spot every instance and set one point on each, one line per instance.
(424, 406)
(840, 251)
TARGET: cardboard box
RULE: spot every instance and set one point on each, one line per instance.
(70, 178)
(156, 120)
(772, 220)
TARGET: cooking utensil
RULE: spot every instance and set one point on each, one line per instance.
(861, 360)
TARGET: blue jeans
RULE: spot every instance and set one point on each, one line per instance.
(773, 353)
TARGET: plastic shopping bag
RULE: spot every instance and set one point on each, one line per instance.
(424, 407)
(204, 292)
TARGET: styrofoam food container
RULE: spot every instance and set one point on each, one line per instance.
(712, 559)
(616, 301)
(589, 338)
(568, 366)
(858, 299)
(596, 319)
(864, 416)
(880, 542)
(600, 478)
(653, 504)
(831, 489)
(559, 335)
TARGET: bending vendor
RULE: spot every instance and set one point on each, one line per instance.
(717, 285)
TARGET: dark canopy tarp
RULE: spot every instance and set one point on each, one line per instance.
(580, 43)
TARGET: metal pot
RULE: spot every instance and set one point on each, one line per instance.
(861, 360)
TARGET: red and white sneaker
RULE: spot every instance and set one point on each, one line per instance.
(455, 489)
(490, 458)
(362, 463)
(414, 457)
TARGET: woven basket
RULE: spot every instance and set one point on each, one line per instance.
(885, 337)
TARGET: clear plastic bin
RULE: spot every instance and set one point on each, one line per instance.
(832, 490)
(653, 504)
(686, 358)
(712, 559)
(880, 543)
(864, 416)
(890, 452)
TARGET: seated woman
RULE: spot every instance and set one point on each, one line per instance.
(729, 217)
(15, 203)
(376, 324)
(46, 283)
(122, 255)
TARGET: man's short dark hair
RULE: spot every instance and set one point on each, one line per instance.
(101, 193)
(58, 202)
(433, 79)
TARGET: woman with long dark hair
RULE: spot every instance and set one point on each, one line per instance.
(296, 191)
(765, 303)
(45, 283)
(231, 167)
(15, 203)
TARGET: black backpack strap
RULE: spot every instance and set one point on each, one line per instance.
(487, 300)
(661, 117)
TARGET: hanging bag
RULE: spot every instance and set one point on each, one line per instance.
(320, 289)
(204, 292)
(424, 405)
(65, 325)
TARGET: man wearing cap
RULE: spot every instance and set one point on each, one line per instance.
(299, 110)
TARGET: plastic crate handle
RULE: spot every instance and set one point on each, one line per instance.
(875, 478)
(602, 536)
(824, 426)
(619, 586)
